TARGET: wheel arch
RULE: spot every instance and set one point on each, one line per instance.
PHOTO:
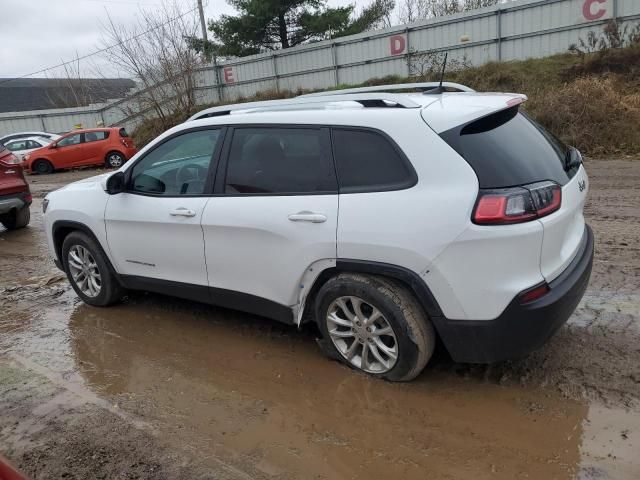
(46, 159)
(406, 277)
(62, 228)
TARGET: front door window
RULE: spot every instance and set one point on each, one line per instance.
(180, 166)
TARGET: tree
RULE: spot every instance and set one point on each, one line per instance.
(156, 53)
(72, 91)
(413, 10)
(263, 25)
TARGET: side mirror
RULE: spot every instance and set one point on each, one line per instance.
(53, 145)
(115, 183)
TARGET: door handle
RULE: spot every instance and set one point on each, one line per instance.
(182, 212)
(308, 217)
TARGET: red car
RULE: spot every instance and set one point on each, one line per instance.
(97, 146)
(7, 472)
(15, 196)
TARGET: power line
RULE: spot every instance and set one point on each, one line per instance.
(101, 50)
(123, 2)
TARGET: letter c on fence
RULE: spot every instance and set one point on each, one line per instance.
(589, 14)
(228, 75)
(397, 44)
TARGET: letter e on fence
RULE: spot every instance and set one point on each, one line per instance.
(397, 44)
(591, 12)
(228, 75)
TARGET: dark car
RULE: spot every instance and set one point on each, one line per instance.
(15, 196)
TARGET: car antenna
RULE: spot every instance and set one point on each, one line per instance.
(438, 90)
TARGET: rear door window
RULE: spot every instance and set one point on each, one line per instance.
(508, 149)
(368, 161)
(17, 145)
(280, 161)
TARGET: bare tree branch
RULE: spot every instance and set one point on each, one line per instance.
(155, 52)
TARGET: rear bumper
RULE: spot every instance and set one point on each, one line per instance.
(17, 201)
(521, 329)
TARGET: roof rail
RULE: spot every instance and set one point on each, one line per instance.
(398, 86)
(368, 100)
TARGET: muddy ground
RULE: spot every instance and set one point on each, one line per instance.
(160, 388)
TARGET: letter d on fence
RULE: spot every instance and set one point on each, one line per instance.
(397, 44)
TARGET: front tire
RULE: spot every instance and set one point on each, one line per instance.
(114, 160)
(88, 271)
(42, 167)
(375, 325)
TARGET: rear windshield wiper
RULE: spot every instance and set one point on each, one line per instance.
(572, 159)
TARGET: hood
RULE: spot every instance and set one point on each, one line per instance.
(86, 183)
(94, 179)
(41, 152)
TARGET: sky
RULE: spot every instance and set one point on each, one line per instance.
(35, 34)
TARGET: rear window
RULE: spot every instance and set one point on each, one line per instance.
(95, 136)
(367, 161)
(508, 148)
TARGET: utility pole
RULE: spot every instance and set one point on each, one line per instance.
(203, 25)
(206, 51)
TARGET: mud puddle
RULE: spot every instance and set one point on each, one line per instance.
(161, 388)
(241, 396)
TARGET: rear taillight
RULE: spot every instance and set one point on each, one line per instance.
(518, 204)
(11, 159)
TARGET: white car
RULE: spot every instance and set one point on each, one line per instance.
(15, 136)
(389, 219)
(21, 146)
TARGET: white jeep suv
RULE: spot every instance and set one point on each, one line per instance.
(389, 219)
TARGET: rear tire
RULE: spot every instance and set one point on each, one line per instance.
(42, 167)
(401, 329)
(17, 219)
(114, 160)
(88, 271)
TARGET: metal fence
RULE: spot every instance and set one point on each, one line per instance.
(512, 31)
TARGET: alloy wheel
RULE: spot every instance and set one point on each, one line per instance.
(362, 334)
(115, 160)
(84, 271)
